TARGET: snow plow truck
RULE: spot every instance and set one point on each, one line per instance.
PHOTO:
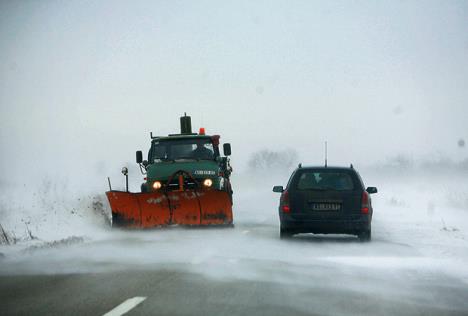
(187, 183)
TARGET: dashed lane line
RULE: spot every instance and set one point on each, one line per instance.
(126, 306)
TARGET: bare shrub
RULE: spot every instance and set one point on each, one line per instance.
(396, 202)
(401, 162)
(5, 238)
(269, 160)
(458, 199)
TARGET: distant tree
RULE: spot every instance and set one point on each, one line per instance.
(401, 162)
(269, 160)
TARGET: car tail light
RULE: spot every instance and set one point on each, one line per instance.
(285, 202)
(365, 203)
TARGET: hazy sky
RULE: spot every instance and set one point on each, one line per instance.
(82, 83)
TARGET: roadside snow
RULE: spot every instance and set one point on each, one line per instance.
(417, 228)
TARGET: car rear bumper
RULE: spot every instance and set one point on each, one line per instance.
(351, 225)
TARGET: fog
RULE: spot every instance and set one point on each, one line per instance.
(384, 84)
(82, 85)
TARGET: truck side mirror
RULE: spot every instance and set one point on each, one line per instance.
(227, 149)
(139, 156)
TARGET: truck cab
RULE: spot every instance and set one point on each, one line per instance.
(195, 156)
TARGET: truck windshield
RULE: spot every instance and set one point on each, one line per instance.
(188, 148)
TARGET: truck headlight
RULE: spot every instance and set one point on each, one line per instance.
(157, 185)
(208, 183)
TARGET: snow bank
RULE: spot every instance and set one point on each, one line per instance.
(420, 225)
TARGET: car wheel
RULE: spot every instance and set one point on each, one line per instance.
(365, 235)
(285, 234)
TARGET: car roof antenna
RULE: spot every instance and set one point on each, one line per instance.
(326, 154)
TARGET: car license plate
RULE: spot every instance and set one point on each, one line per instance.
(326, 206)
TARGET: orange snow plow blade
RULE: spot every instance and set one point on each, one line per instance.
(189, 207)
(216, 208)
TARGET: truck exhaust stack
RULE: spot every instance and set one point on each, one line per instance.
(185, 124)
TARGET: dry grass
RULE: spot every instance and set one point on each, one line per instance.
(5, 238)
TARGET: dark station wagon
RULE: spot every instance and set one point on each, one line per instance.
(325, 200)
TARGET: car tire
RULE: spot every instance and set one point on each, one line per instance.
(285, 234)
(365, 235)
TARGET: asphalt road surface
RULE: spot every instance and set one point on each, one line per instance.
(341, 277)
(171, 292)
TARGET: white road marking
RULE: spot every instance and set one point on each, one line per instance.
(125, 306)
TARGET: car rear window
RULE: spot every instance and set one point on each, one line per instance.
(316, 180)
